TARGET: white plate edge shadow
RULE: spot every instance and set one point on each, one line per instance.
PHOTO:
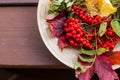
(39, 21)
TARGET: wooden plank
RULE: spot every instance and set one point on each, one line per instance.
(20, 42)
(18, 2)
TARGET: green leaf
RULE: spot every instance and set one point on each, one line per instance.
(85, 59)
(88, 52)
(69, 4)
(115, 3)
(80, 66)
(66, 1)
(78, 2)
(118, 13)
(93, 44)
(69, 8)
(116, 27)
(70, 15)
(53, 9)
(102, 28)
(76, 65)
(58, 2)
(101, 51)
(62, 4)
(93, 52)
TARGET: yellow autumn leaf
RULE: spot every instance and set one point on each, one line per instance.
(100, 7)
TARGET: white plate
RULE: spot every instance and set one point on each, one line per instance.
(68, 55)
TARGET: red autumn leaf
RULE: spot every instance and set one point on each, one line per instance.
(113, 57)
(57, 29)
(57, 24)
(102, 67)
(104, 70)
(62, 42)
(87, 75)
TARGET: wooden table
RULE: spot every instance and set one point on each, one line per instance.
(20, 43)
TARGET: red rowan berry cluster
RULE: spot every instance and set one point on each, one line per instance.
(81, 12)
(78, 37)
(75, 34)
(108, 41)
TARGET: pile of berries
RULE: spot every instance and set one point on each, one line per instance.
(78, 37)
(81, 12)
(75, 34)
(108, 41)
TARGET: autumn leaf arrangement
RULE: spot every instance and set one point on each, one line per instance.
(93, 27)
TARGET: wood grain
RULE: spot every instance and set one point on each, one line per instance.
(20, 42)
(18, 2)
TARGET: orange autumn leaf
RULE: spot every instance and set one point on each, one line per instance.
(114, 57)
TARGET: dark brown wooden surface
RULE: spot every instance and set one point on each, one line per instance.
(18, 2)
(20, 43)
